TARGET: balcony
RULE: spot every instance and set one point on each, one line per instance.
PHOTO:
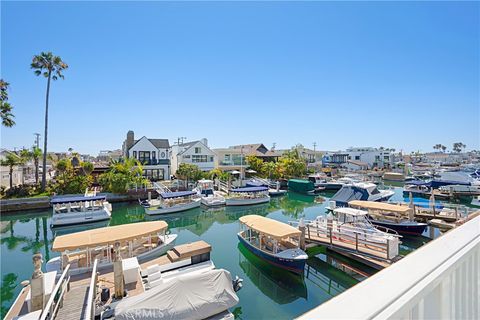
(153, 162)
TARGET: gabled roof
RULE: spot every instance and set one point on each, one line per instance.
(157, 143)
(188, 145)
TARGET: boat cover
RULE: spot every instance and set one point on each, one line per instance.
(178, 194)
(441, 183)
(349, 193)
(249, 189)
(56, 200)
(191, 296)
(255, 183)
(418, 183)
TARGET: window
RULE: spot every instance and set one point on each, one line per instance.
(198, 150)
(135, 154)
(386, 158)
(199, 158)
(144, 156)
(357, 157)
(211, 158)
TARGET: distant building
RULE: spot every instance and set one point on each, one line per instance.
(355, 165)
(310, 156)
(194, 152)
(152, 153)
(234, 157)
(17, 174)
(373, 157)
(109, 155)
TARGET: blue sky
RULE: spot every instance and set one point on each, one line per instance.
(403, 75)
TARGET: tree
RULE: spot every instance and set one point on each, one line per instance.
(270, 169)
(255, 163)
(71, 178)
(189, 171)
(121, 175)
(5, 107)
(36, 154)
(51, 67)
(458, 147)
(11, 160)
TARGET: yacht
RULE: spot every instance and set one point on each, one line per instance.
(79, 209)
(247, 196)
(276, 242)
(361, 191)
(170, 202)
(143, 240)
(209, 197)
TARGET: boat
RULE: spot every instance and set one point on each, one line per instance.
(273, 241)
(336, 184)
(460, 190)
(360, 191)
(476, 201)
(392, 216)
(144, 240)
(301, 186)
(73, 210)
(393, 176)
(273, 187)
(209, 197)
(247, 196)
(170, 202)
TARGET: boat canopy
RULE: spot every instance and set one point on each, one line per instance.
(349, 193)
(273, 228)
(351, 212)
(191, 296)
(379, 206)
(178, 194)
(250, 189)
(255, 183)
(107, 235)
(58, 200)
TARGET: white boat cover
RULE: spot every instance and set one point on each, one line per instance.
(192, 296)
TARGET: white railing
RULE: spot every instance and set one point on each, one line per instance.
(440, 280)
(57, 295)
(92, 294)
(159, 187)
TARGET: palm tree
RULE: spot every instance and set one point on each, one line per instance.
(36, 154)
(51, 67)
(5, 107)
(11, 160)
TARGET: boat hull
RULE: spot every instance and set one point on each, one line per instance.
(173, 209)
(293, 265)
(73, 218)
(245, 201)
(404, 229)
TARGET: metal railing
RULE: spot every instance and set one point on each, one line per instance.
(437, 281)
(56, 297)
(92, 294)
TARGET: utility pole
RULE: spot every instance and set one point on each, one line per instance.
(180, 140)
(274, 145)
(314, 146)
(314, 152)
(37, 139)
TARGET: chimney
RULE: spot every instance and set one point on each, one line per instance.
(204, 141)
(129, 142)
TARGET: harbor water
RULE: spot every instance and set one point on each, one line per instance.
(267, 293)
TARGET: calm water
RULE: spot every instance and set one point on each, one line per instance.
(268, 292)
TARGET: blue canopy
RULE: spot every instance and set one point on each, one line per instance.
(178, 194)
(349, 193)
(255, 183)
(75, 199)
(250, 189)
(441, 183)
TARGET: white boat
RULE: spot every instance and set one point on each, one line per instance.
(335, 184)
(170, 202)
(460, 189)
(366, 191)
(374, 194)
(79, 209)
(143, 240)
(209, 197)
(247, 196)
(476, 201)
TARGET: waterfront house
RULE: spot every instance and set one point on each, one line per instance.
(194, 152)
(233, 158)
(310, 156)
(373, 157)
(152, 153)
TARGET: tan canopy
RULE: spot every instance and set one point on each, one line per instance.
(269, 227)
(107, 235)
(372, 205)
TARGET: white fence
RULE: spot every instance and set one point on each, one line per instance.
(440, 280)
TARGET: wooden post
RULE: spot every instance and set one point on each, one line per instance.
(356, 241)
(388, 248)
(308, 229)
(331, 242)
(456, 213)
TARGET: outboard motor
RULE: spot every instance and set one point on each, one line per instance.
(237, 283)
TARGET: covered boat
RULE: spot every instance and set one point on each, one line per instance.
(247, 196)
(170, 202)
(144, 240)
(361, 191)
(301, 186)
(192, 296)
(276, 242)
(397, 217)
(209, 197)
(69, 211)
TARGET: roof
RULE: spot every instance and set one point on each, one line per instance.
(56, 200)
(249, 189)
(160, 143)
(107, 235)
(273, 228)
(358, 163)
(350, 211)
(178, 194)
(379, 206)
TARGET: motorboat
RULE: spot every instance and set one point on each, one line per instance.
(170, 202)
(73, 210)
(391, 216)
(276, 242)
(143, 240)
(247, 196)
(361, 191)
(476, 201)
(209, 197)
(336, 184)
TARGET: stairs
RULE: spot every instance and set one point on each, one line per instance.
(173, 255)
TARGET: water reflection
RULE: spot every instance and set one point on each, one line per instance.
(9, 284)
(279, 285)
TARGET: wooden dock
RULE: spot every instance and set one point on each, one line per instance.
(75, 302)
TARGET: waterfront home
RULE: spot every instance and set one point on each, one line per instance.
(194, 152)
(234, 158)
(152, 153)
(373, 157)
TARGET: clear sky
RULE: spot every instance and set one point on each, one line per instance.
(402, 75)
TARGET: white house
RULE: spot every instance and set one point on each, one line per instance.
(195, 152)
(152, 153)
(373, 157)
(355, 165)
